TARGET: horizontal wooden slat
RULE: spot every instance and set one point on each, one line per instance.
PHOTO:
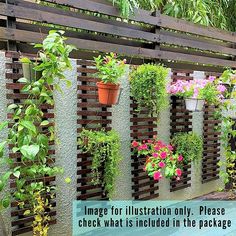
(89, 195)
(143, 134)
(25, 36)
(45, 179)
(94, 113)
(161, 20)
(152, 196)
(150, 189)
(173, 189)
(139, 127)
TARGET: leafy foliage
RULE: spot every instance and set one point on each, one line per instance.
(110, 68)
(148, 87)
(220, 14)
(105, 150)
(28, 136)
(190, 145)
(228, 132)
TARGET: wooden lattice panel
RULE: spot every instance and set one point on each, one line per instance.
(181, 121)
(143, 127)
(94, 116)
(211, 146)
(20, 223)
(211, 139)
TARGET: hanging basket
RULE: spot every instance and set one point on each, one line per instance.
(29, 73)
(193, 104)
(108, 93)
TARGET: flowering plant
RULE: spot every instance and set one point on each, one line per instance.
(160, 159)
(207, 89)
(110, 68)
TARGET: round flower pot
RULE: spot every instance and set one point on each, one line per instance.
(108, 93)
(193, 104)
(29, 73)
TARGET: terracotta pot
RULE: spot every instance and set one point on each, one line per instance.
(193, 104)
(29, 73)
(108, 93)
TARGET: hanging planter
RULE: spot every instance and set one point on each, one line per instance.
(148, 88)
(193, 104)
(198, 91)
(29, 73)
(108, 93)
(110, 69)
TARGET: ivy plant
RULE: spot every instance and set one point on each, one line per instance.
(190, 145)
(30, 134)
(148, 87)
(105, 150)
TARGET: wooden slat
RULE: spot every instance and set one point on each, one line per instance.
(161, 20)
(30, 37)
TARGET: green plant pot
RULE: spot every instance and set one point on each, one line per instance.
(29, 73)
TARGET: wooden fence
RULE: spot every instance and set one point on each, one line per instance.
(97, 27)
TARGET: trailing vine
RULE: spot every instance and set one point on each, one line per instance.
(148, 84)
(228, 173)
(31, 134)
(105, 150)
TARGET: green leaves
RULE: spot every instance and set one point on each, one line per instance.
(29, 125)
(17, 174)
(22, 80)
(148, 84)
(25, 60)
(3, 125)
(44, 123)
(29, 151)
(5, 202)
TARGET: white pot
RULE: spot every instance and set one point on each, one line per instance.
(193, 104)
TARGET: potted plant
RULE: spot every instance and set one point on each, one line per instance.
(197, 92)
(110, 69)
(160, 159)
(190, 145)
(105, 150)
(148, 84)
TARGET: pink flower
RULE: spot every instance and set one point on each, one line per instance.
(139, 148)
(180, 158)
(178, 172)
(170, 147)
(135, 144)
(221, 88)
(161, 164)
(178, 178)
(156, 148)
(149, 141)
(157, 175)
(196, 92)
(163, 155)
(211, 78)
(144, 146)
(155, 154)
